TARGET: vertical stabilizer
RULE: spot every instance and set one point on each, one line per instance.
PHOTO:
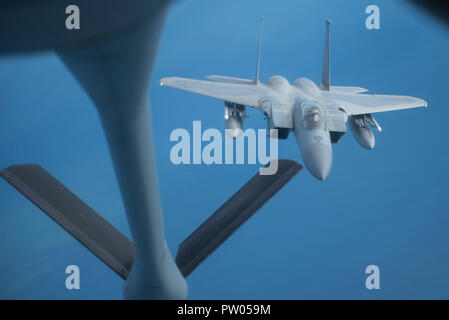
(256, 81)
(326, 77)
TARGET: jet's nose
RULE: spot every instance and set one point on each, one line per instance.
(318, 160)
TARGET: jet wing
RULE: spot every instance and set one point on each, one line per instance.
(244, 94)
(355, 104)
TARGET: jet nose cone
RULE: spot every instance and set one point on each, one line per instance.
(318, 160)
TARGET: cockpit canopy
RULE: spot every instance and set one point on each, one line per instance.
(314, 118)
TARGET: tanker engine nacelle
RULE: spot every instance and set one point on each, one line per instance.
(360, 130)
(234, 114)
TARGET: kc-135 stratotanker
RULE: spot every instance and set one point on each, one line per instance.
(316, 114)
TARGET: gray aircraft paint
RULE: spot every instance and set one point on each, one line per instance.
(313, 138)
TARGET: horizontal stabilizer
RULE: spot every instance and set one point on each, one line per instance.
(231, 215)
(226, 79)
(71, 213)
(338, 89)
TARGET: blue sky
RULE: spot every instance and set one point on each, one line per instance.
(313, 240)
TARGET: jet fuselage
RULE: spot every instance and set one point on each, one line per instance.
(300, 108)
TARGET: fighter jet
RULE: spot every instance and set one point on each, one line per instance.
(317, 115)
